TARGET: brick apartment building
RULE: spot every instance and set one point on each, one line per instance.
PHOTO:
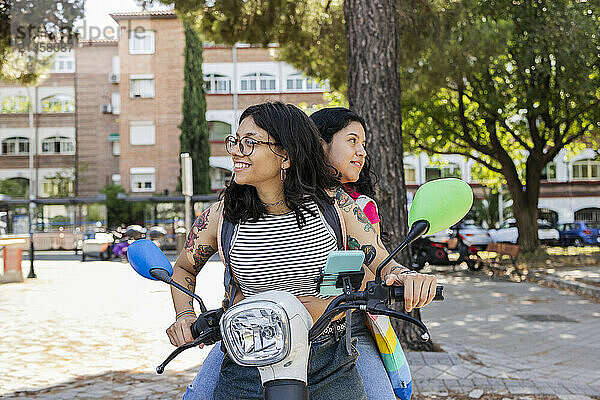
(60, 121)
(109, 111)
(151, 88)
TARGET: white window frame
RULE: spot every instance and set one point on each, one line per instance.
(140, 176)
(216, 84)
(13, 100)
(61, 99)
(256, 80)
(49, 187)
(116, 148)
(137, 89)
(64, 143)
(63, 63)
(301, 83)
(547, 169)
(408, 167)
(139, 38)
(588, 164)
(136, 138)
(16, 141)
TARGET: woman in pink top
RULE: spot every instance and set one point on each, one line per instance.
(344, 142)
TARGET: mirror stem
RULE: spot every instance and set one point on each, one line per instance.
(418, 229)
(163, 275)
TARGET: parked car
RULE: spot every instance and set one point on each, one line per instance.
(579, 233)
(98, 246)
(508, 233)
(471, 234)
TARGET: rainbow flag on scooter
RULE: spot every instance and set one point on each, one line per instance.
(392, 355)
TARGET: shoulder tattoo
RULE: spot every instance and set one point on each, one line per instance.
(199, 225)
(343, 200)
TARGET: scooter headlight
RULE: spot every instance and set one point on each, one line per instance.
(256, 333)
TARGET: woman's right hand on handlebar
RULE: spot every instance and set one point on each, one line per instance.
(179, 332)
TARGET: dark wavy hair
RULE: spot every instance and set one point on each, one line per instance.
(308, 176)
(330, 121)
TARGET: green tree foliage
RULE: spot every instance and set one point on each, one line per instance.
(22, 23)
(62, 184)
(310, 34)
(119, 211)
(507, 83)
(14, 187)
(194, 128)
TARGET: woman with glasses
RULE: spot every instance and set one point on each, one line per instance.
(281, 180)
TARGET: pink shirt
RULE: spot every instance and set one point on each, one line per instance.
(370, 208)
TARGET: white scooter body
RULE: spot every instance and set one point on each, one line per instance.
(295, 364)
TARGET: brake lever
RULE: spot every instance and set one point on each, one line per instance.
(204, 336)
(381, 309)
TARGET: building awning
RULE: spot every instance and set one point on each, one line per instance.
(223, 162)
(113, 137)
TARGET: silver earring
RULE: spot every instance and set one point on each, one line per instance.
(282, 175)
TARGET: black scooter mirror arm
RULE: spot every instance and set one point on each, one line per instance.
(418, 229)
(163, 275)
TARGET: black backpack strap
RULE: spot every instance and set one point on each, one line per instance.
(335, 222)
(225, 237)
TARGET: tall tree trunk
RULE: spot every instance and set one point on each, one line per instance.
(374, 92)
(525, 202)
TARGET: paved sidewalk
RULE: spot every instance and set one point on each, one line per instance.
(509, 338)
(584, 281)
(96, 330)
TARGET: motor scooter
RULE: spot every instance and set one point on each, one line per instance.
(272, 331)
(124, 239)
(454, 252)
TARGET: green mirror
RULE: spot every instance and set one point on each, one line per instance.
(442, 203)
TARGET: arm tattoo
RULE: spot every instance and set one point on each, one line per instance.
(201, 256)
(191, 287)
(352, 243)
(370, 253)
(369, 250)
(344, 201)
(200, 224)
(362, 218)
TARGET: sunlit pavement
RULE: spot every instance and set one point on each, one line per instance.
(512, 338)
(96, 330)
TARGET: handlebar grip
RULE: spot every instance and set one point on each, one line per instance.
(397, 293)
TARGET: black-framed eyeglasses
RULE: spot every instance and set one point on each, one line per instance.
(246, 144)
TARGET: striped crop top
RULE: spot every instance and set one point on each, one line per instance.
(274, 254)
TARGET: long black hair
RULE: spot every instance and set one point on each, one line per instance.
(308, 176)
(330, 121)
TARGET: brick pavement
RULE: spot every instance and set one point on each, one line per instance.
(96, 330)
(499, 337)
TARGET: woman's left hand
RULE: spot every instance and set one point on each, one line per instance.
(419, 289)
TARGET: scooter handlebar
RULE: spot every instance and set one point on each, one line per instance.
(397, 293)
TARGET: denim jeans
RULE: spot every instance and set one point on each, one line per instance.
(369, 366)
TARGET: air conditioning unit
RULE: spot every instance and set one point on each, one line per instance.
(114, 77)
(106, 109)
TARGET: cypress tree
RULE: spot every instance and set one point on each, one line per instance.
(194, 128)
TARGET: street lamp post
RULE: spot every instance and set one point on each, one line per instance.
(187, 187)
(32, 221)
(32, 177)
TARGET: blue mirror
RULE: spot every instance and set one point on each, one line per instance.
(144, 255)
